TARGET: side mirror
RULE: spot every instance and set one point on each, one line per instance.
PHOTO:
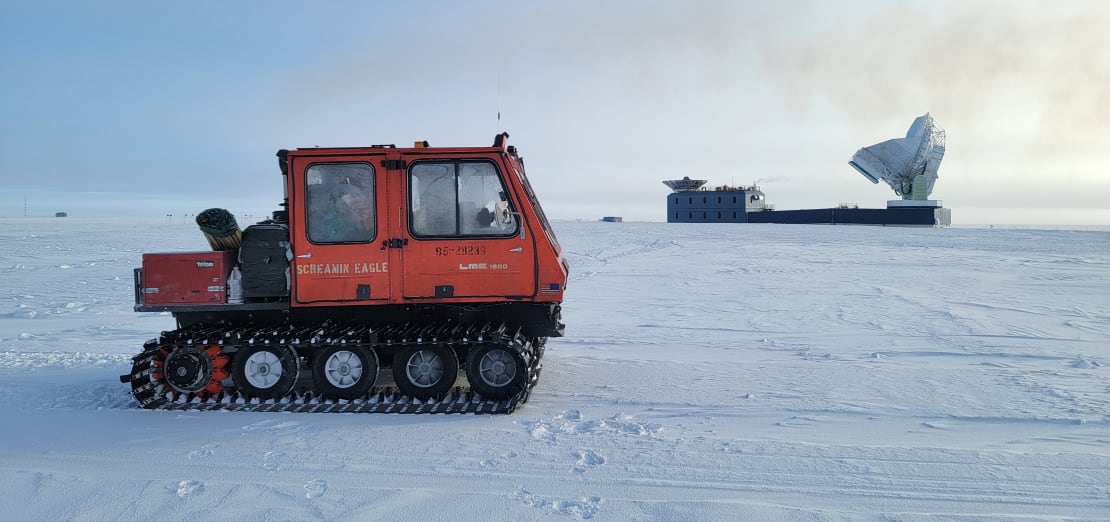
(520, 223)
(507, 218)
(501, 209)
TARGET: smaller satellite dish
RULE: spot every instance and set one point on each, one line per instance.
(685, 184)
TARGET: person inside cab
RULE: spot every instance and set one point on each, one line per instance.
(340, 204)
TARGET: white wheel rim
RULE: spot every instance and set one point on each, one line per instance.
(263, 369)
(425, 369)
(343, 369)
(497, 368)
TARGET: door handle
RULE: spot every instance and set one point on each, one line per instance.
(307, 255)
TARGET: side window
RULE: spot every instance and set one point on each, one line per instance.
(461, 199)
(340, 203)
(483, 206)
(432, 199)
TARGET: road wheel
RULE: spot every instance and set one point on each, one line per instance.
(496, 372)
(425, 372)
(265, 371)
(345, 372)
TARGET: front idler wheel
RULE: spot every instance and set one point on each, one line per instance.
(496, 372)
(345, 372)
(196, 370)
(265, 371)
(425, 372)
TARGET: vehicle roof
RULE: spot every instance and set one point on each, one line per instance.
(379, 149)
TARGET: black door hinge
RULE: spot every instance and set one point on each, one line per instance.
(393, 164)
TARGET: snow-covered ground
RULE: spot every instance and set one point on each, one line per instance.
(723, 372)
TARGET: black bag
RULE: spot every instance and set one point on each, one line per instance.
(263, 261)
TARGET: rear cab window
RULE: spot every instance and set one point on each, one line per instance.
(340, 205)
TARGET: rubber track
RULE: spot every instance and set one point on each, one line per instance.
(155, 395)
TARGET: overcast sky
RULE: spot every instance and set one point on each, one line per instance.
(148, 108)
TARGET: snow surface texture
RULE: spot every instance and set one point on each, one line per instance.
(710, 372)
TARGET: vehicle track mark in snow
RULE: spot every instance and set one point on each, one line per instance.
(315, 488)
(204, 452)
(497, 461)
(1085, 364)
(938, 426)
(187, 488)
(835, 474)
(274, 460)
(68, 396)
(582, 508)
(607, 341)
(587, 460)
(276, 426)
(570, 422)
(27, 359)
(799, 421)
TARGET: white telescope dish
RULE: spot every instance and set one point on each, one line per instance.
(909, 165)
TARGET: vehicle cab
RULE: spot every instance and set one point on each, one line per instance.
(381, 224)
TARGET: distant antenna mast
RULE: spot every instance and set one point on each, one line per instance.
(25, 205)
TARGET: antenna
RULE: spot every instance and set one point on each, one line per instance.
(499, 98)
(25, 205)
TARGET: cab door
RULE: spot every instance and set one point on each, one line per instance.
(337, 224)
(463, 233)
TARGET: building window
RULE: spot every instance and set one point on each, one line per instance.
(733, 200)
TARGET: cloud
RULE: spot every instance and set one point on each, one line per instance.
(1011, 68)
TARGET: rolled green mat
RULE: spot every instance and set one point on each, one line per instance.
(217, 222)
(220, 228)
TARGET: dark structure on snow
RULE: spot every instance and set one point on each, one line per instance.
(909, 165)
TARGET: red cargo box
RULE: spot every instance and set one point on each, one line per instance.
(186, 277)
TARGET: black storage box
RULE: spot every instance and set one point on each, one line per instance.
(263, 261)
